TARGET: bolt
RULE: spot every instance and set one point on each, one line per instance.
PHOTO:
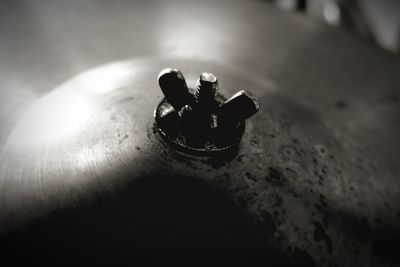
(205, 93)
(239, 107)
(173, 85)
(206, 89)
(195, 119)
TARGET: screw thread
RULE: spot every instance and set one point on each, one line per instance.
(206, 89)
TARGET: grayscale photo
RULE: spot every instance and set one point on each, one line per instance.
(200, 133)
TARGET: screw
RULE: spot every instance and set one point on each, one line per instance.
(239, 107)
(206, 89)
(206, 112)
(205, 93)
(173, 85)
(195, 119)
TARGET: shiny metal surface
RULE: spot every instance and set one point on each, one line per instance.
(317, 171)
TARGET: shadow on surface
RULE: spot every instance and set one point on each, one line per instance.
(157, 219)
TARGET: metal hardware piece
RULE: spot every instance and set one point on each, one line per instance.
(174, 88)
(201, 121)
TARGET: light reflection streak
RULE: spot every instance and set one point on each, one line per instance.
(110, 77)
(50, 121)
(69, 108)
